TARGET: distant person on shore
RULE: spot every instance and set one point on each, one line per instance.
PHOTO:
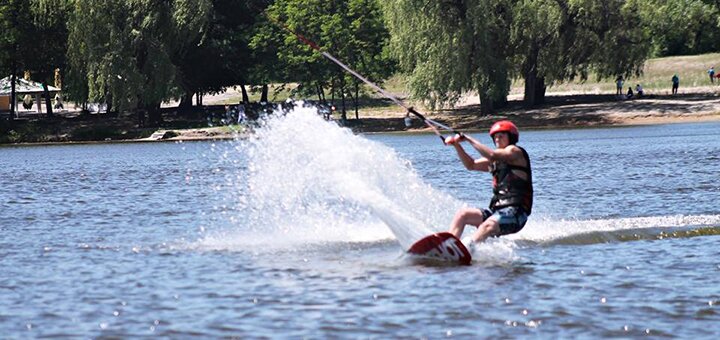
(675, 83)
(229, 115)
(512, 201)
(408, 120)
(629, 93)
(58, 101)
(27, 102)
(639, 90)
(619, 86)
(711, 73)
(241, 113)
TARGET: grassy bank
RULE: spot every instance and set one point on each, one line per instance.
(656, 77)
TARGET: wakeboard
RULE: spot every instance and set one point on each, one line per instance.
(442, 246)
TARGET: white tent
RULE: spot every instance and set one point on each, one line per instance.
(22, 87)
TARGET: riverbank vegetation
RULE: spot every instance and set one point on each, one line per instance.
(138, 55)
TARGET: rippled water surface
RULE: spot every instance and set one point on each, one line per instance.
(298, 232)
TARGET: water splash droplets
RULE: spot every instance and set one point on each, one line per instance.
(303, 180)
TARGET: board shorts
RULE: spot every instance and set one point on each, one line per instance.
(512, 219)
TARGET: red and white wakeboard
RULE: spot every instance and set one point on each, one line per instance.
(443, 246)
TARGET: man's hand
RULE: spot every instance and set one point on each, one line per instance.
(450, 140)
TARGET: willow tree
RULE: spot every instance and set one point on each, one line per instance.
(124, 52)
(34, 37)
(9, 40)
(560, 40)
(448, 48)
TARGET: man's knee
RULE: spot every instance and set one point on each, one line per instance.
(490, 226)
(470, 216)
(462, 213)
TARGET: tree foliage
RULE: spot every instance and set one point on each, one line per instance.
(450, 47)
(34, 36)
(223, 50)
(138, 53)
(683, 27)
(350, 30)
(122, 51)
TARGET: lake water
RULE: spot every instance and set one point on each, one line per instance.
(298, 231)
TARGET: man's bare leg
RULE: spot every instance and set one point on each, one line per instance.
(463, 217)
(490, 227)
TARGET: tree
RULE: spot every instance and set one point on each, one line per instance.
(223, 50)
(682, 27)
(9, 46)
(34, 39)
(122, 51)
(352, 31)
(369, 44)
(559, 40)
(44, 52)
(451, 47)
(448, 48)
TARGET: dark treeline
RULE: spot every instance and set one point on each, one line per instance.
(135, 54)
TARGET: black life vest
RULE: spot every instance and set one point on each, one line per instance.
(510, 189)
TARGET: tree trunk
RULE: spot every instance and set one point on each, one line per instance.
(245, 98)
(48, 101)
(530, 87)
(534, 86)
(343, 115)
(332, 91)
(108, 103)
(185, 106)
(540, 89)
(486, 105)
(357, 100)
(320, 92)
(154, 115)
(264, 94)
(534, 89)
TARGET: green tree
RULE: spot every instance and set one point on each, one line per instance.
(556, 41)
(448, 48)
(122, 51)
(45, 51)
(223, 50)
(352, 31)
(452, 47)
(369, 41)
(683, 27)
(34, 39)
(9, 39)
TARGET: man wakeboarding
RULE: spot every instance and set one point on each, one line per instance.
(512, 201)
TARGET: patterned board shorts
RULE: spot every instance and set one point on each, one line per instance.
(512, 219)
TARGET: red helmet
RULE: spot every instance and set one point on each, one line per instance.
(506, 126)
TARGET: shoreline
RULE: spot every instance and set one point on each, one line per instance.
(627, 123)
(190, 135)
(559, 112)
